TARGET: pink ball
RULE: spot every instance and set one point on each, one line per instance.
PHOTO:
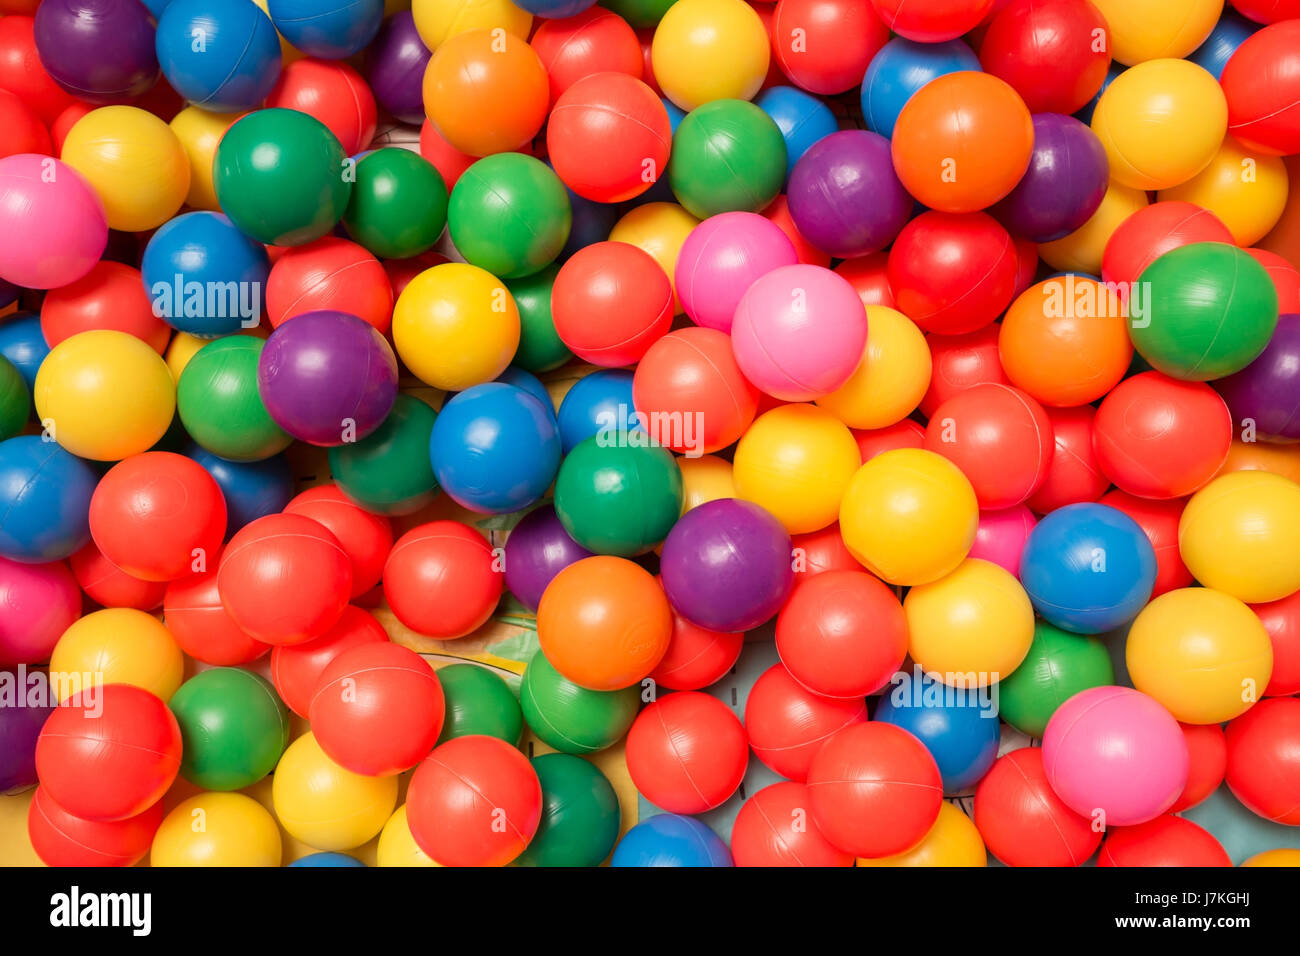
(52, 224)
(1001, 536)
(799, 332)
(1116, 750)
(38, 602)
(721, 259)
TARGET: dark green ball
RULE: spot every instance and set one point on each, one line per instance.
(479, 702)
(1057, 667)
(639, 13)
(16, 401)
(570, 718)
(728, 156)
(580, 814)
(234, 727)
(218, 401)
(540, 347)
(389, 471)
(398, 207)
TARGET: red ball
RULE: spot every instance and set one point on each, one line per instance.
(1073, 474)
(842, 634)
(610, 302)
(1282, 621)
(1022, 820)
(1048, 51)
(447, 159)
(1026, 265)
(442, 579)
(475, 801)
(690, 377)
(593, 41)
(1268, 11)
(875, 789)
(330, 273)
(823, 550)
(877, 441)
(609, 137)
(953, 273)
(332, 92)
(824, 46)
(193, 612)
(284, 579)
(779, 213)
(999, 437)
(1152, 231)
(109, 296)
(1264, 759)
(377, 709)
(296, 669)
(787, 723)
(1159, 522)
(932, 21)
(64, 122)
(402, 271)
(367, 538)
(1165, 841)
(696, 656)
(1156, 437)
(21, 130)
(869, 276)
(109, 586)
(1261, 82)
(61, 839)
(108, 754)
(1285, 277)
(158, 516)
(22, 74)
(1207, 752)
(775, 828)
(687, 752)
(959, 362)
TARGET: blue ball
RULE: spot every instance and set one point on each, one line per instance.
(675, 114)
(23, 343)
(1228, 34)
(495, 448)
(1088, 568)
(530, 383)
(900, 69)
(204, 276)
(221, 55)
(554, 9)
(600, 400)
(1085, 114)
(44, 500)
(327, 859)
(669, 840)
(253, 489)
(802, 118)
(961, 734)
(329, 29)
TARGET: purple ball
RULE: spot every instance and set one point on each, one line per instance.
(1064, 185)
(99, 50)
(327, 378)
(537, 549)
(19, 728)
(726, 565)
(1268, 389)
(395, 68)
(845, 196)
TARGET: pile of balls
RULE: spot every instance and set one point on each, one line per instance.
(947, 350)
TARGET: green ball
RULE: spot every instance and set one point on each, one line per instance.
(509, 214)
(234, 727)
(1210, 309)
(640, 13)
(398, 207)
(219, 404)
(479, 702)
(728, 156)
(1057, 667)
(281, 177)
(580, 814)
(16, 401)
(570, 718)
(540, 348)
(389, 471)
(616, 497)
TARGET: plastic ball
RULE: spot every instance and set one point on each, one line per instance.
(696, 657)
(902, 67)
(1262, 394)
(233, 728)
(666, 839)
(802, 118)
(389, 471)
(1148, 234)
(1049, 203)
(15, 400)
(618, 495)
(1263, 770)
(706, 478)
(772, 829)
(366, 537)
(237, 831)
(328, 29)
(1083, 250)
(1281, 460)
(1058, 666)
(1207, 753)
(110, 296)
(825, 47)
(40, 602)
(1022, 820)
(398, 205)
(960, 732)
(1165, 841)
(396, 845)
(1001, 536)
(954, 840)
(24, 131)
(599, 402)
(201, 627)
(580, 814)
(960, 361)
(787, 723)
(117, 646)
(540, 347)
(251, 489)
(238, 63)
(820, 551)
(324, 805)
(45, 493)
(1248, 203)
(570, 718)
(721, 259)
(333, 93)
(438, 20)
(892, 377)
(296, 669)
(595, 40)
(1281, 619)
(1282, 857)
(54, 227)
(687, 752)
(61, 839)
(218, 402)
(1049, 52)
(1259, 83)
(477, 701)
(489, 206)
(98, 50)
(657, 228)
(932, 21)
(23, 344)
(727, 156)
(395, 65)
(706, 50)
(442, 580)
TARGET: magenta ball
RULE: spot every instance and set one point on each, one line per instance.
(721, 258)
(101, 51)
(538, 549)
(1268, 389)
(845, 197)
(1116, 751)
(395, 66)
(52, 224)
(1064, 185)
(327, 378)
(38, 602)
(1001, 536)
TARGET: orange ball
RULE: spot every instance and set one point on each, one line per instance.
(604, 623)
(962, 142)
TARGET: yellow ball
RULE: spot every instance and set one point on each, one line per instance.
(182, 348)
(1246, 190)
(1161, 123)
(1280, 857)
(325, 806)
(706, 478)
(439, 20)
(909, 516)
(952, 841)
(135, 163)
(396, 845)
(217, 829)
(796, 461)
(118, 645)
(658, 228)
(199, 133)
(1240, 534)
(892, 377)
(1147, 29)
(1081, 250)
(104, 395)
(1203, 654)
(972, 627)
(707, 50)
(456, 325)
